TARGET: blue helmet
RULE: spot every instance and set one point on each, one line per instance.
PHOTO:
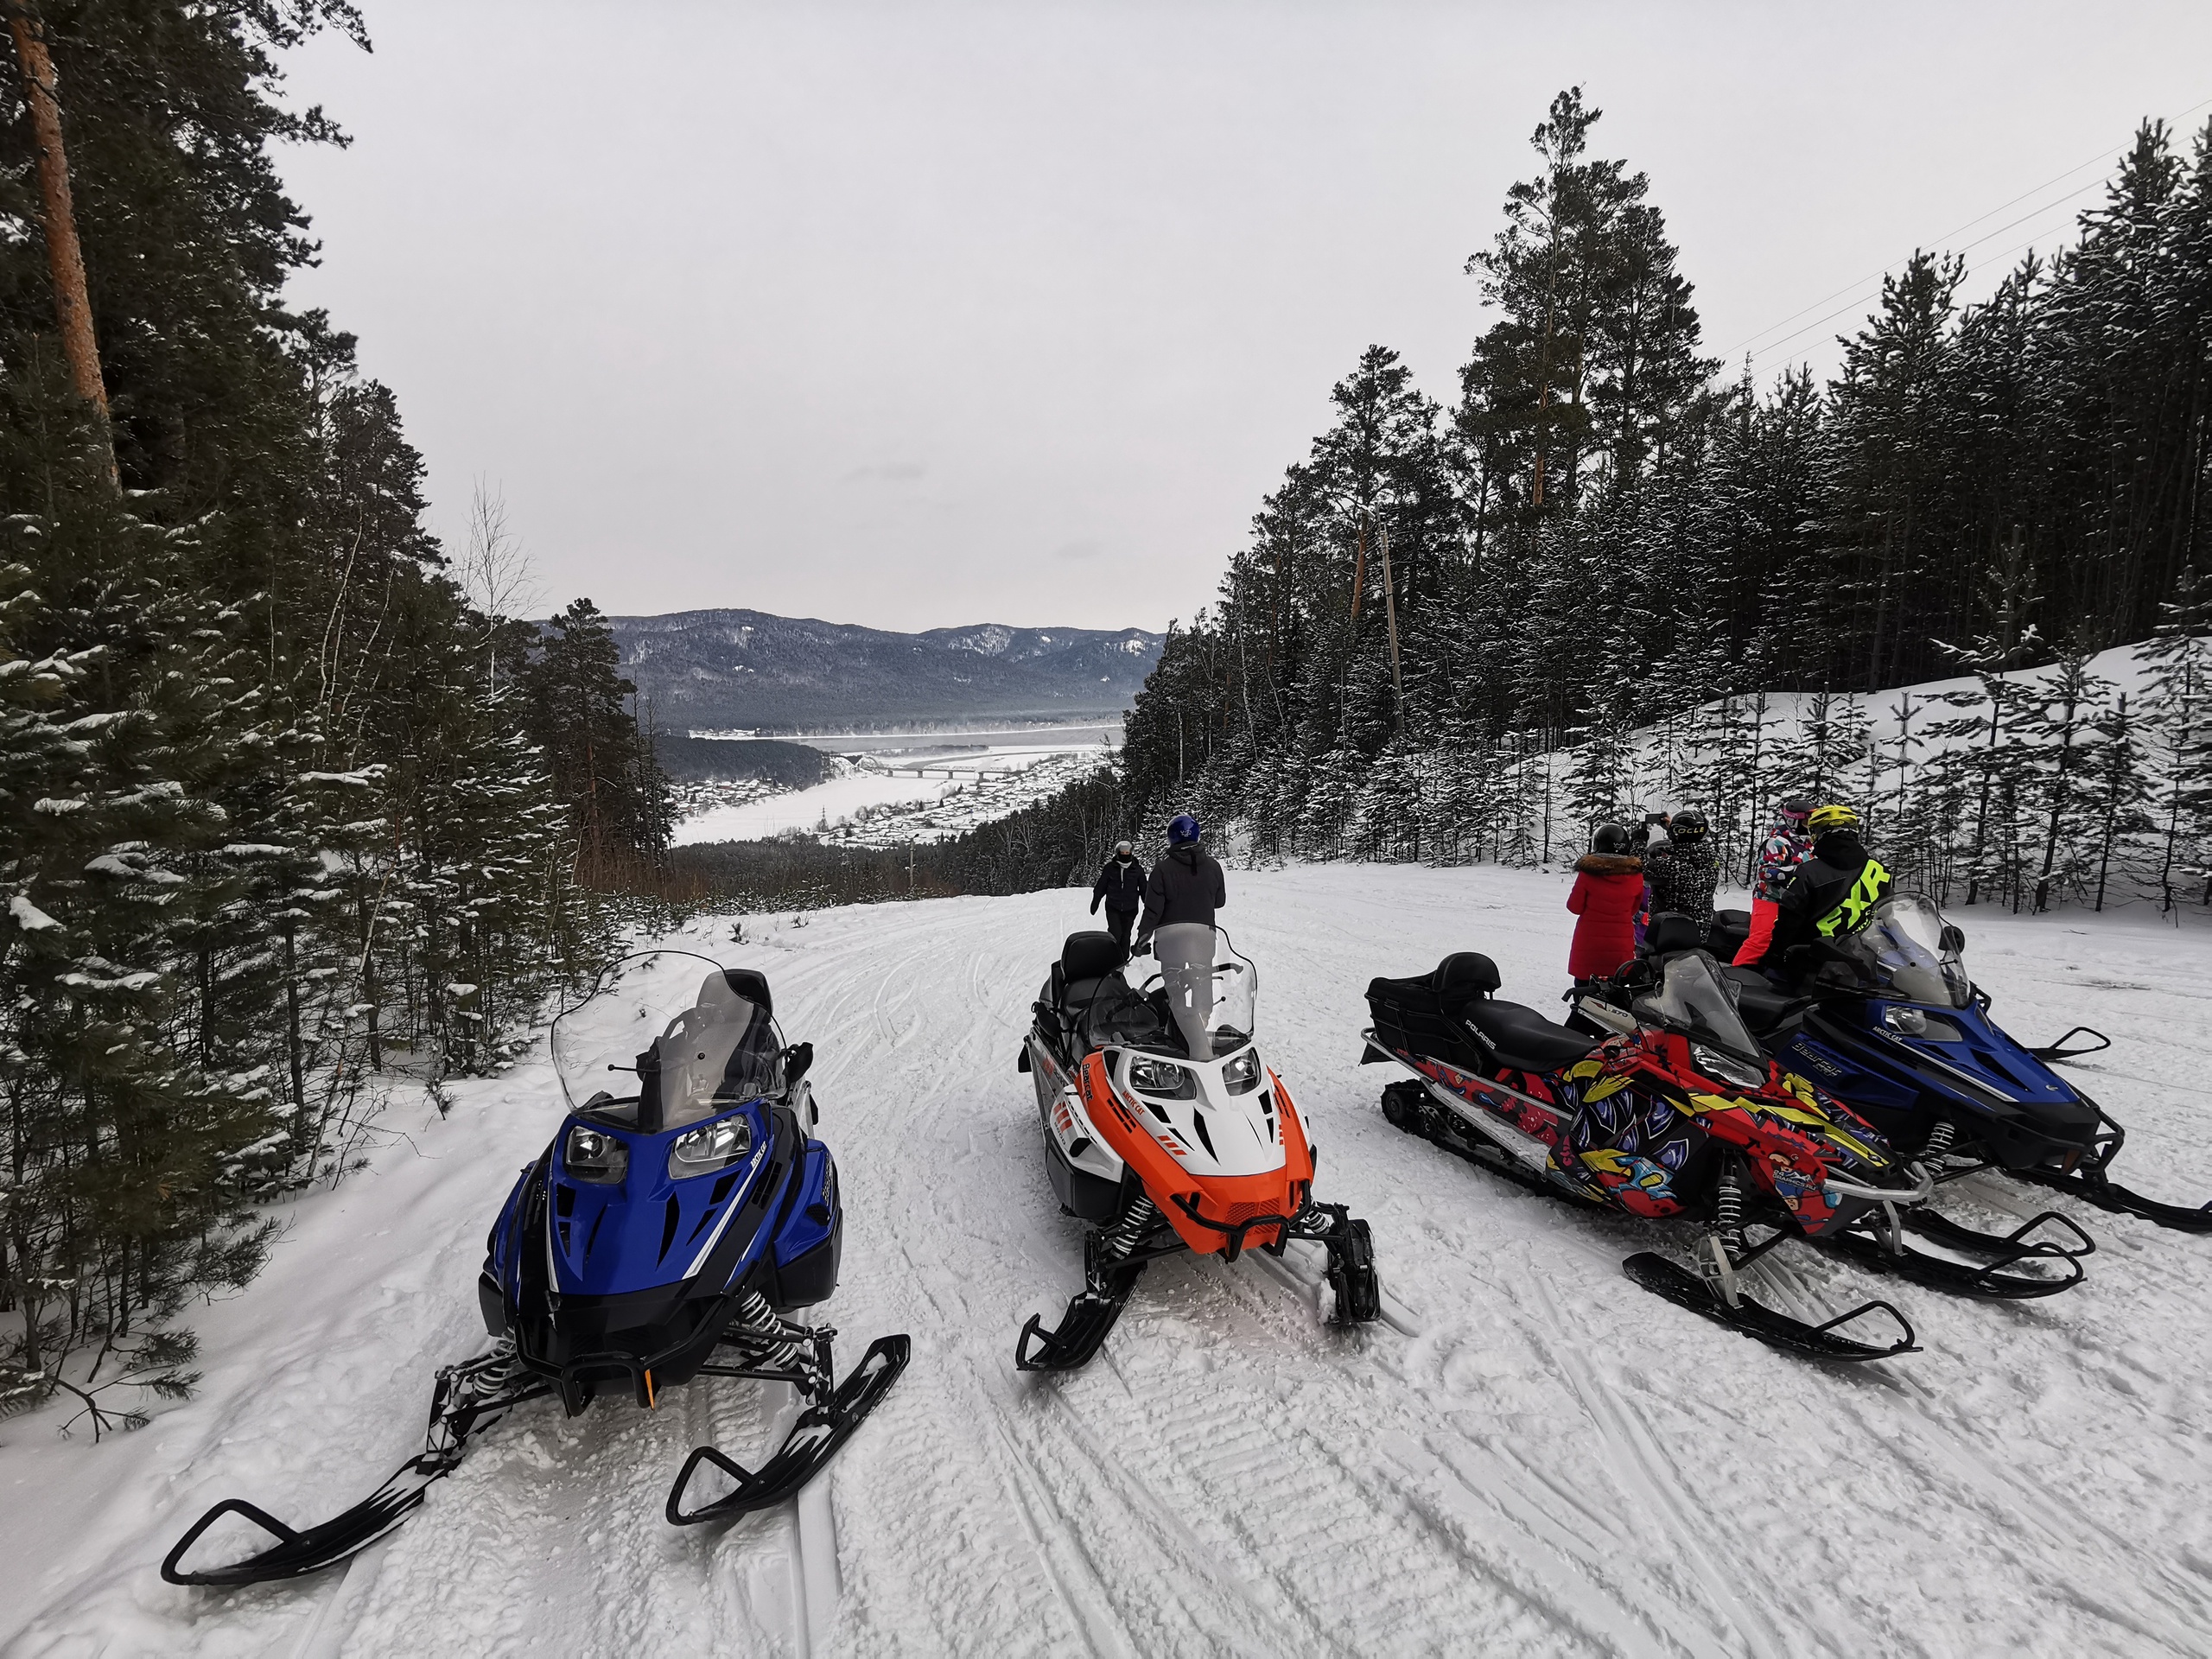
(1182, 829)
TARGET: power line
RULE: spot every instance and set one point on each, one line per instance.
(1863, 296)
(1858, 289)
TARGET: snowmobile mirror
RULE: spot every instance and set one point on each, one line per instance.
(797, 1059)
(1953, 938)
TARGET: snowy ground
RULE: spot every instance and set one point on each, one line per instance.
(887, 809)
(1532, 1458)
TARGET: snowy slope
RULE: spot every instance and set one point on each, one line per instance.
(1533, 1458)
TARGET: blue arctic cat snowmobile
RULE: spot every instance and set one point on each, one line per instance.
(682, 1210)
(1891, 1022)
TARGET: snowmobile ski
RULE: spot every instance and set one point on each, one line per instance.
(1988, 1280)
(1679, 1285)
(2110, 1196)
(1083, 1330)
(469, 1397)
(813, 1440)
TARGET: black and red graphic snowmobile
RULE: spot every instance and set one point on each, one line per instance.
(1166, 1132)
(1677, 1113)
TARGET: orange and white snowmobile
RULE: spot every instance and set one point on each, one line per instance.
(1166, 1132)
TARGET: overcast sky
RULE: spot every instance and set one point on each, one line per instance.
(917, 314)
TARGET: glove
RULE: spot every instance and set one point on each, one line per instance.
(1142, 948)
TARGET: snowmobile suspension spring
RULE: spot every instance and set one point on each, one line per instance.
(1728, 1206)
(1129, 1231)
(757, 1320)
(1940, 1139)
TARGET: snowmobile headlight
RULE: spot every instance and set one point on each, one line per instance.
(1242, 1075)
(1715, 1064)
(595, 1155)
(710, 1148)
(1911, 1022)
(1151, 1077)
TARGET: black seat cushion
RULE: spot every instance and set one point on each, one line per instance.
(1670, 931)
(1524, 1039)
(1464, 973)
(1091, 956)
(1761, 1006)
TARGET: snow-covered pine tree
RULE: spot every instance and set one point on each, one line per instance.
(2050, 735)
(2119, 790)
(2177, 706)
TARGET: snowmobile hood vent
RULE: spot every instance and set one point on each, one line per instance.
(651, 1230)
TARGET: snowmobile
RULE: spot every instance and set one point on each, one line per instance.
(1673, 1112)
(680, 1213)
(1890, 1021)
(1166, 1132)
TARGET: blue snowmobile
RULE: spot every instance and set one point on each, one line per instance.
(1891, 1022)
(682, 1209)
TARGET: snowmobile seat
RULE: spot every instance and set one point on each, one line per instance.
(1464, 975)
(1524, 1039)
(1763, 1006)
(1726, 933)
(1085, 960)
(1670, 931)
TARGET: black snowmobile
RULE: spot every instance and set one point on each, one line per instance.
(664, 1235)
(1889, 1020)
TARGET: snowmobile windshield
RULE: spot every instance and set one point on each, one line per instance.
(658, 1046)
(1203, 1004)
(1907, 947)
(1694, 999)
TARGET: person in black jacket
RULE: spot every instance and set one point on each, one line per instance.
(1120, 887)
(1682, 870)
(1184, 890)
(1187, 885)
(1831, 893)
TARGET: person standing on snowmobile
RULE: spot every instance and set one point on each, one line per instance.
(1786, 847)
(1608, 889)
(1829, 895)
(1682, 881)
(1120, 887)
(1184, 890)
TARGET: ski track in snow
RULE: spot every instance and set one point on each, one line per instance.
(1531, 1457)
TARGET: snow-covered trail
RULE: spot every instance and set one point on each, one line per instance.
(1533, 1457)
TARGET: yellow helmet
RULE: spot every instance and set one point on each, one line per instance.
(1832, 817)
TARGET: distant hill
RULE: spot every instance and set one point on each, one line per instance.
(717, 670)
(705, 759)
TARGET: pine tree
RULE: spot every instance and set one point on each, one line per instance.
(2177, 703)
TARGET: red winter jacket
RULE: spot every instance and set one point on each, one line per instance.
(1607, 891)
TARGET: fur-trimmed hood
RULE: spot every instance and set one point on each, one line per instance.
(1609, 864)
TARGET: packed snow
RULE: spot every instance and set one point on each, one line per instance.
(1529, 1456)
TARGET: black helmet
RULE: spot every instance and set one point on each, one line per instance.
(1688, 824)
(1609, 838)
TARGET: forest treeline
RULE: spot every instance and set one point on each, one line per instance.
(1449, 622)
(285, 798)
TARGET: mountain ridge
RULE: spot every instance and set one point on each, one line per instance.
(734, 669)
